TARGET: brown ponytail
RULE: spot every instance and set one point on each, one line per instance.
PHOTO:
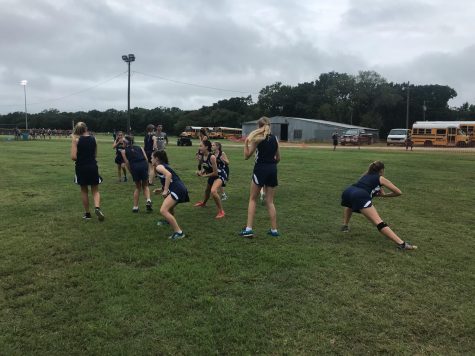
(375, 167)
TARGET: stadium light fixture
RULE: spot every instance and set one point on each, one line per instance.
(128, 59)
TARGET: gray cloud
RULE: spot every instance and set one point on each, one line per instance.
(67, 46)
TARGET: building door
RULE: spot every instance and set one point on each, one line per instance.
(284, 132)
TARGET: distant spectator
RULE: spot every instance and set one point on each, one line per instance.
(161, 139)
(335, 140)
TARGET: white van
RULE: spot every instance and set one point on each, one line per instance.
(397, 136)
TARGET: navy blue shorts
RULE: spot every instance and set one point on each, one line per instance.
(265, 174)
(179, 193)
(119, 159)
(139, 171)
(87, 175)
(221, 176)
(356, 199)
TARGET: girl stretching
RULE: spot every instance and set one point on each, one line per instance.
(216, 178)
(358, 198)
(264, 175)
(84, 152)
(173, 191)
(136, 161)
(118, 145)
(223, 164)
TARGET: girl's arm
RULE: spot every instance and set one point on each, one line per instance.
(249, 149)
(168, 177)
(277, 154)
(144, 154)
(126, 161)
(155, 145)
(74, 149)
(116, 142)
(224, 158)
(395, 191)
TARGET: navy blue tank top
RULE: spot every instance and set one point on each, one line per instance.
(221, 164)
(86, 151)
(207, 165)
(134, 154)
(175, 178)
(370, 183)
(148, 143)
(266, 150)
(119, 147)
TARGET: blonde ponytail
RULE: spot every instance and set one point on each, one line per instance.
(262, 132)
(79, 129)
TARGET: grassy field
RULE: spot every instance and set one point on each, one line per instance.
(121, 287)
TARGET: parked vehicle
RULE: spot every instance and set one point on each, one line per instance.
(356, 137)
(183, 141)
(398, 137)
(439, 133)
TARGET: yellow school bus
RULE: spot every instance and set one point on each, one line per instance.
(469, 128)
(439, 133)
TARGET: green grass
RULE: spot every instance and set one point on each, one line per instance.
(121, 287)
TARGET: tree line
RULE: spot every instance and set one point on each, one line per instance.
(366, 99)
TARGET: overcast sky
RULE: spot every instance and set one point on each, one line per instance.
(70, 50)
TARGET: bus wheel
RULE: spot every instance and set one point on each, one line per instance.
(428, 143)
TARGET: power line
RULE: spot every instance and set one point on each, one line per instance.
(72, 94)
(193, 84)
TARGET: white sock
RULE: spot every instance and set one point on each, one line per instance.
(273, 230)
(248, 228)
(135, 207)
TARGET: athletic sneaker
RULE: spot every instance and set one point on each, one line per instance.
(135, 210)
(246, 233)
(162, 223)
(99, 213)
(125, 178)
(200, 204)
(177, 236)
(224, 196)
(344, 228)
(148, 206)
(87, 216)
(220, 215)
(272, 233)
(407, 246)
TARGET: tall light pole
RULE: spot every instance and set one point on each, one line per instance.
(128, 59)
(24, 83)
(407, 106)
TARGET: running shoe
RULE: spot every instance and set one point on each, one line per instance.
(246, 233)
(273, 233)
(220, 215)
(125, 178)
(135, 210)
(87, 216)
(177, 236)
(224, 196)
(99, 213)
(148, 206)
(344, 228)
(200, 204)
(162, 223)
(407, 246)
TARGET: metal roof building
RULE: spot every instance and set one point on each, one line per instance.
(298, 129)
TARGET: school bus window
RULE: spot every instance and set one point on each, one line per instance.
(428, 131)
(440, 131)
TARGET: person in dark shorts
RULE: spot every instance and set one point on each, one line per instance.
(203, 136)
(136, 161)
(118, 145)
(358, 198)
(223, 165)
(84, 153)
(216, 178)
(266, 146)
(335, 140)
(173, 192)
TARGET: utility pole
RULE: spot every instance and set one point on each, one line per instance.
(128, 59)
(407, 106)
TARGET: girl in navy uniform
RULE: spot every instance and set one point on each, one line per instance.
(223, 164)
(136, 161)
(173, 191)
(203, 136)
(358, 198)
(118, 145)
(266, 147)
(84, 152)
(150, 145)
(216, 178)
